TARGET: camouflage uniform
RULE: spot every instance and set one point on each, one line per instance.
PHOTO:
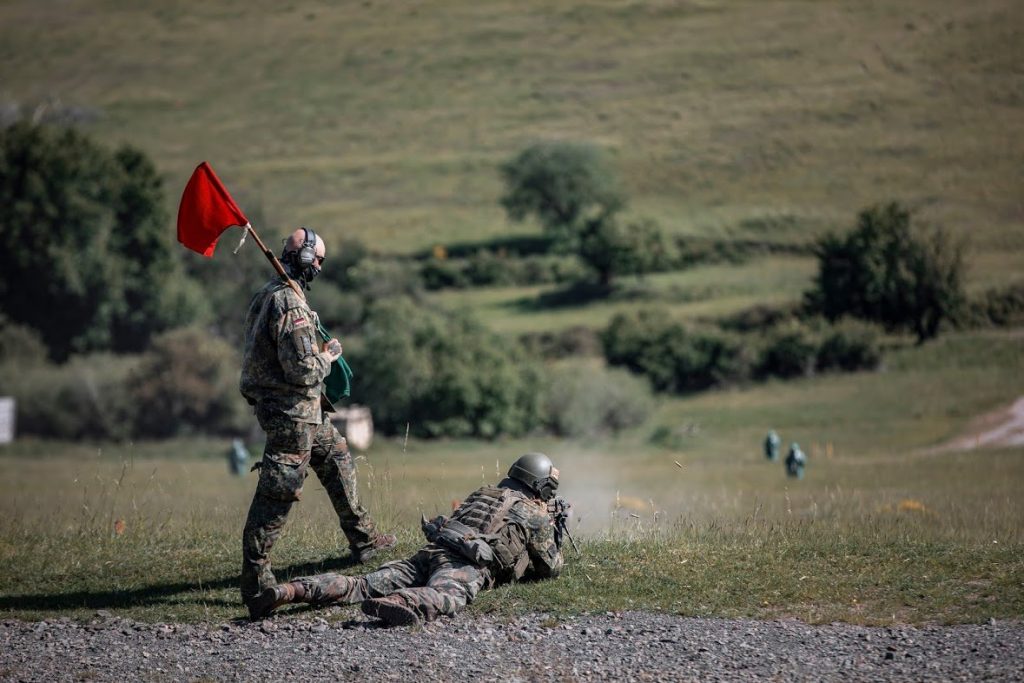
(440, 579)
(282, 371)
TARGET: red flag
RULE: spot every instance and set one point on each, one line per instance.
(206, 211)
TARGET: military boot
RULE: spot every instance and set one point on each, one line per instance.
(392, 610)
(379, 542)
(274, 597)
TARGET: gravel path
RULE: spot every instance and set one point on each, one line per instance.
(638, 646)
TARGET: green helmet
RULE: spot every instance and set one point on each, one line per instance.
(536, 471)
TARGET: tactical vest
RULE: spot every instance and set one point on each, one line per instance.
(477, 531)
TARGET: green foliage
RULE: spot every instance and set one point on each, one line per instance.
(584, 400)
(485, 268)
(83, 242)
(572, 342)
(884, 271)
(576, 196)
(791, 351)
(188, 382)
(443, 375)
(380, 279)
(850, 345)
(85, 398)
(996, 307)
(611, 248)
(20, 344)
(563, 184)
(675, 358)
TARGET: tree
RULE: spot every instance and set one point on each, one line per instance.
(577, 197)
(84, 244)
(886, 272)
(443, 374)
(563, 184)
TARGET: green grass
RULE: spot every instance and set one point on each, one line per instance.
(756, 120)
(879, 530)
(699, 293)
(387, 121)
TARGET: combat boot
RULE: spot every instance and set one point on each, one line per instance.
(378, 543)
(274, 597)
(392, 610)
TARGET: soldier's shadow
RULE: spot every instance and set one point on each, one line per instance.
(179, 593)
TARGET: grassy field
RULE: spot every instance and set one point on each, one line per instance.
(756, 120)
(879, 530)
(700, 293)
(387, 121)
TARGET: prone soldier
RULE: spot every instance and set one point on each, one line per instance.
(503, 533)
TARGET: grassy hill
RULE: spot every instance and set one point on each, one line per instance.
(386, 121)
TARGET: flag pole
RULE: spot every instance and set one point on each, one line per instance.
(273, 260)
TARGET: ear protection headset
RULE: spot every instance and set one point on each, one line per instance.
(306, 256)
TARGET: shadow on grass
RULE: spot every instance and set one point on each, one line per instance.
(577, 294)
(157, 594)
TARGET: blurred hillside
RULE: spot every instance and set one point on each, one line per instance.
(386, 121)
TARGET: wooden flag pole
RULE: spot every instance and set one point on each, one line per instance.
(274, 261)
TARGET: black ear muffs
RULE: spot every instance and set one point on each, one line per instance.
(306, 255)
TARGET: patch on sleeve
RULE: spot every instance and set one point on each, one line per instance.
(299, 320)
(304, 346)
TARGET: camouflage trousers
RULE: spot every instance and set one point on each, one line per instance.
(293, 448)
(433, 582)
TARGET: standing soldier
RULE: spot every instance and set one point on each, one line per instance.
(283, 368)
(795, 461)
(499, 534)
(771, 446)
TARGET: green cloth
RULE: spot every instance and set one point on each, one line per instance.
(339, 383)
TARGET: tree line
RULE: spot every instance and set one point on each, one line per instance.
(129, 336)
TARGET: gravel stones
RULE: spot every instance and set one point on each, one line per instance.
(628, 646)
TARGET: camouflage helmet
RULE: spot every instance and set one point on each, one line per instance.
(536, 471)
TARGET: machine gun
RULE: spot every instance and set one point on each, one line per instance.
(561, 512)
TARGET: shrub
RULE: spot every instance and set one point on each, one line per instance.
(377, 279)
(339, 312)
(443, 374)
(999, 307)
(188, 382)
(673, 357)
(85, 398)
(761, 317)
(571, 342)
(583, 400)
(885, 272)
(20, 344)
(849, 346)
(791, 351)
(442, 274)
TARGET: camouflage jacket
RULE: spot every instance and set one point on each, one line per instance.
(518, 529)
(282, 366)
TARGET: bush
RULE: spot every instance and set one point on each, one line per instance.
(188, 382)
(583, 400)
(20, 344)
(339, 312)
(761, 317)
(377, 279)
(885, 272)
(92, 223)
(574, 341)
(443, 374)
(791, 351)
(998, 307)
(86, 398)
(673, 357)
(850, 346)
